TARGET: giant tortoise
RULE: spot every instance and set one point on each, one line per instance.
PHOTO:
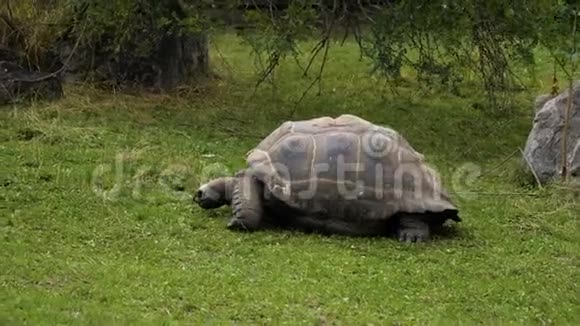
(340, 175)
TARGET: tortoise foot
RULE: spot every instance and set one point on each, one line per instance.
(413, 235)
(413, 229)
(236, 224)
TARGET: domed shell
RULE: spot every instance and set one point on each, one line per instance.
(347, 167)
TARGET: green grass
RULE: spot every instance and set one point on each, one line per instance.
(83, 242)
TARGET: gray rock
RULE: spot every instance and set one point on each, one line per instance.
(544, 145)
(541, 101)
(575, 166)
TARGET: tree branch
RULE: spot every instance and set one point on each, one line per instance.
(566, 130)
(317, 48)
(317, 79)
(65, 64)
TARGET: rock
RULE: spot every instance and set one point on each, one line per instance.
(541, 101)
(575, 166)
(17, 84)
(544, 145)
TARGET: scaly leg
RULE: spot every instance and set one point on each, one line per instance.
(413, 229)
(247, 204)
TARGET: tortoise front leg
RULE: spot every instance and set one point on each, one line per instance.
(247, 204)
(413, 228)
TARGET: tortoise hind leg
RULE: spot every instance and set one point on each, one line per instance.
(247, 204)
(412, 228)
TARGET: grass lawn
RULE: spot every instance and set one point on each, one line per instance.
(97, 223)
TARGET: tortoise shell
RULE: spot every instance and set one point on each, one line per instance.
(346, 167)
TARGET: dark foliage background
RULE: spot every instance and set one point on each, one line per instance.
(440, 41)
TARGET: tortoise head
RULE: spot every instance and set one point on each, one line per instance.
(215, 193)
